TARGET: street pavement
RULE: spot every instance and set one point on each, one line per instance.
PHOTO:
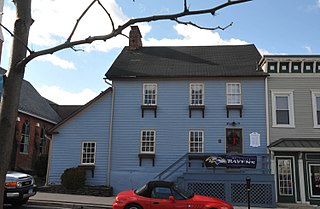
(91, 202)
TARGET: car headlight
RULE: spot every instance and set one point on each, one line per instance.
(19, 184)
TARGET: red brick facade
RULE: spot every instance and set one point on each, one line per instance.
(23, 159)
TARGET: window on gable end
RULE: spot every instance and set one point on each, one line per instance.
(88, 155)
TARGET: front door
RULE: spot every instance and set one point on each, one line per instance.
(285, 180)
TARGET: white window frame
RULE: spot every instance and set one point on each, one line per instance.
(25, 138)
(87, 153)
(289, 94)
(146, 87)
(198, 143)
(150, 142)
(315, 94)
(199, 96)
(229, 94)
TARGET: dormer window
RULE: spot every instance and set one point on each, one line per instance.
(272, 67)
(284, 67)
(318, 67)
(308, 67)
(296, 67)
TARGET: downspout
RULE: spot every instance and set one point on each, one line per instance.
(49, 160)
(110, 133)
(267, 112)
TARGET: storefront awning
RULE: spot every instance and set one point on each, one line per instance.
(296, 145)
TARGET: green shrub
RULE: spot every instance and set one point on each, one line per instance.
(40, 166)
(73, 178)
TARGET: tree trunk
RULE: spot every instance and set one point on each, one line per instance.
(12, 87)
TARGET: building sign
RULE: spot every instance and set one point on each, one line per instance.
(255, 139)
(231, 161)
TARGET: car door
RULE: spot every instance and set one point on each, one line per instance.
(163, 198)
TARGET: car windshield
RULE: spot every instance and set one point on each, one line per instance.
(141, 191)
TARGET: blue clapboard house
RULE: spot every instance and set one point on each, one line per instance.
(190, 114)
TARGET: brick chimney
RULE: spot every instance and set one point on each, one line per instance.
(135, 38)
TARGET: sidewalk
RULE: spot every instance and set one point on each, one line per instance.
(71, 201)
(91, 202)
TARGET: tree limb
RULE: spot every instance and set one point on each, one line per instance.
(12, 35)
(78, 20)
(204, 28)
(118, 31)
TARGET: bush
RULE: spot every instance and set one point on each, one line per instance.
(73, 178)
(40, 166)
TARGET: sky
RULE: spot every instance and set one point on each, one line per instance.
(74, 77)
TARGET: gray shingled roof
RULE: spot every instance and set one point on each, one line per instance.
(186, 62)
(298, 144)
(31, 102)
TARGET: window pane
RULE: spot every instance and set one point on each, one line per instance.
(196, 94)
(318, 103)
(149, 94)
(233, 94)
(196, 141)
(282, 103)
(282, 117)
(88, 152)
(147, 142)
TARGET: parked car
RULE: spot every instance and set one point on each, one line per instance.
(165, 195)
(18, 188)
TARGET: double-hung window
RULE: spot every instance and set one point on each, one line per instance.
(196, 94)
(196, 141)
(234, 94)
(148, 139)
(282, 109)
(25, 138)
(88, 156)
(149, 94)
(316, 108)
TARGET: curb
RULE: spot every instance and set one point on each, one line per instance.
(72, 205)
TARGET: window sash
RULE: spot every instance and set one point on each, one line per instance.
(196, 141)
(233, 94)
(150, 94)
(282, 109)
(316, 108)
(147, 141)
(25, 138)
(196, 94)
(88, 153)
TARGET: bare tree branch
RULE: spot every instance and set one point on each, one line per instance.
(4, 27)
(204, 28)
(118, 31)
(109, 15)
(78, 20)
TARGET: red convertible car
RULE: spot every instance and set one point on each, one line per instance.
(165, 195)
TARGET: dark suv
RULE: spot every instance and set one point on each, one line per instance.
(18, 188)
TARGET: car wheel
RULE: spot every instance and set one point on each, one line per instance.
(20, 202)
(133, 206)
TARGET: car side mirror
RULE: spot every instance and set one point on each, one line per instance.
(171, 198)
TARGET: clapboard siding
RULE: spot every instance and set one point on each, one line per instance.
(302, 99)
(172, 124)
(90, 124)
